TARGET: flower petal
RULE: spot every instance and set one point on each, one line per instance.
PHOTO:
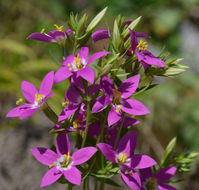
(133, 40)
(67, 112)
(100, 35)
(113, 117)
(107, 85)
(73, 95)
(29, 91)
(134, 107)
(41, 37)
(129, 121)
(47, 83)
(83, 53)
(44, 155)
(107, 151)
(18, 110)
(128, 143)
(166, 187)
(83, 155)
(67, 60)
(132, 181)
(62, 144)
(145, 174)
(62, 74)
(101, 103)
(129, 86)
(165, 174)
(87, 73)
(96, 56)
(58, 36)
(140, 161)
(27, 113)
(73, 175)
(51, 176)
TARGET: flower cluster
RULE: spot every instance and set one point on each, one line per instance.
(99, 107)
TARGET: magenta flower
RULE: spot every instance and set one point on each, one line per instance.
(145, 57)
(100, 35)
(158, 180)
(119, 99)
(55, 36)
(128, 161)
(78, 66)
(36, 99)
(62, 162)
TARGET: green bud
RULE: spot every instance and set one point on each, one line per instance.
(105, 70)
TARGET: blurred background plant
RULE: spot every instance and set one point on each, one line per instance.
(174, 104)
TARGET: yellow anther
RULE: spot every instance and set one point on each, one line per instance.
(39, 97)
(123, 157)
(59, 28)
(117, 96)
(52, 165)
(76, 123)
(129, 173)
(151, 184)
(78, 62)
(42, 30)
(19, 101)
(66, 103)
(67, 158)
(119, 108)
(142, 45)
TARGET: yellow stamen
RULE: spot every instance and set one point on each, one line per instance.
(67, 157)
(70, 68)
(142, 45)
(117, 96)
(42, 30)
(78, 62)
(129, 173)
(66, 103)
(19, 101)
(119, 108)
(52, 165)
(59, 28)
(39, 97)
(122, 158)
(76, 123)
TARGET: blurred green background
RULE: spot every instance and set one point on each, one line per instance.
(174, 104)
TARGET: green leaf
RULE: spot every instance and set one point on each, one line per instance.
(81, 24)
(111, 182)
(126, 32)
(168, 151)
(96, 20)
(116, 36)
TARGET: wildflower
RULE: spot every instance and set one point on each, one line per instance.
(62, 162)
(78, 66)
(140, 49)
(127, 161)
(119, 99)
(55, 36)
(36, 99)
(157, 181)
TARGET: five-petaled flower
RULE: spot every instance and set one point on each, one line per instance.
(78, 66)
(62, 162)
(54, 36)
(128, 161)
(119, 99)
(36, 99)
(157, 181)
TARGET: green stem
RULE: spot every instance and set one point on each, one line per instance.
(102, 185)
(87, 123)
(69, 187)
(96, 184)
(88, 187)
(84, 184)
(120, 129)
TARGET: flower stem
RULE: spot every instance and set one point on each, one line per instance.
(96, 184)
(120, 129)
(69, 186)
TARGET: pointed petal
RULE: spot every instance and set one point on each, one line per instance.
(140, 161)
(73, 175)
(129, 86)
(165, 174)
(47, 83)
(87, 73)
(132, 181)
(166, 187)
(72, 94)
(67, 60)
(107, 85)
(15, 112)
(100, 35)
(107, 151)
(41, 37)
(29, 91)
(58, 36)
(62, 74)
(44, 155)
(27, 113)
(133, 40)
(142, 35)
(141, 58)
(51, 176)
(129, 121)
(83, 53)
(48, 96)
(113, 117)
(134, 107)
(62, 144)
(127, 22)
(146, 173)
(128, 143)
(96, 56)
(67, 112)
(83, 155)
(101, 103)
